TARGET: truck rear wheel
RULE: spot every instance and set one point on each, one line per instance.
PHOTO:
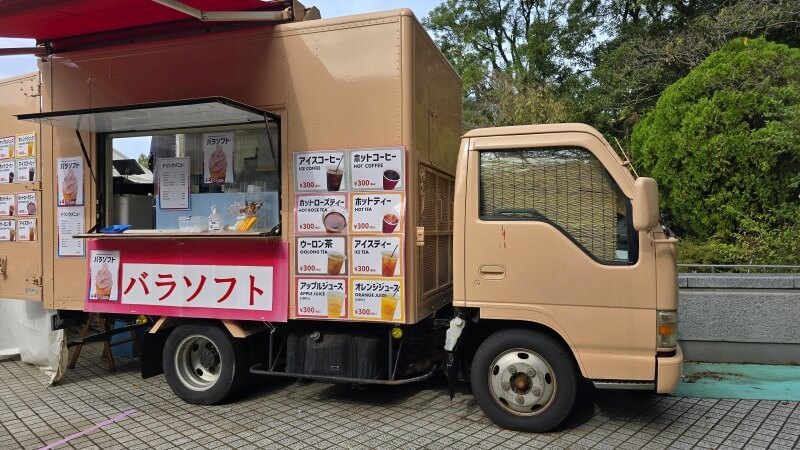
(202, 364)
(524, 380)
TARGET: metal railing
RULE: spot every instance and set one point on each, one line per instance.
(737, 268)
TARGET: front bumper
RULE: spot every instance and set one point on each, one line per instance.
(668, 372)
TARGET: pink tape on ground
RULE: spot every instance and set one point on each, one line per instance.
(92, 428)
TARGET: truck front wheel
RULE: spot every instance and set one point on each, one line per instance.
(524, 380)
(202, 364)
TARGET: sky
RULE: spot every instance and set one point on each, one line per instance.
(18, 65)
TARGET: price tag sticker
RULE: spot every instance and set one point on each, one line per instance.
(321, 255)
(322, 297)
(377, 299)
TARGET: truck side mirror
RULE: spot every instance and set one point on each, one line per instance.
(645, 204)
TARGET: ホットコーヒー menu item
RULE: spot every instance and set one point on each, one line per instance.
(70, 181)
(379, 169)
(7, 171)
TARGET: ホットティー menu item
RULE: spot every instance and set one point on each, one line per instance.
(7, 147)
(70, 181)
(218, 158)
(104, 275)
(174, 185)
(376, 212)
(8, 230)
(26, 170)
(26, 145)
(70, 222)
(320, 171)
(26, 204)
(7, 205)
(379, 169)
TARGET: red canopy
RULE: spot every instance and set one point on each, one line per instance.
(47, 20)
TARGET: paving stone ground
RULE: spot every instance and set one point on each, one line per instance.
(283, 413)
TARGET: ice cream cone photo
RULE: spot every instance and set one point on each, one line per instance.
(69, 188)
(103, 282)
(218, 164)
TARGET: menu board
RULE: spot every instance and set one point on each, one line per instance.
(71, 221)
(7, 147)
(8, 230)
(26, 170)
(7, 171)
(70, 181)
(26, 230)
(217, 158)
(174, 185)
(26, 145)
(26, 204)
(104, 275)
(7, 205)
(349, 218)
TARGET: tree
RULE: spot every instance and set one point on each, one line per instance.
(143, 161)
(724, 142)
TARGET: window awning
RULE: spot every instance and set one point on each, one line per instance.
(193, 113)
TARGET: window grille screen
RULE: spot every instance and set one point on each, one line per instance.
(566, 186)
(436, 202)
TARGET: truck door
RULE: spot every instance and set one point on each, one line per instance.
(20, 222)
(549, 239)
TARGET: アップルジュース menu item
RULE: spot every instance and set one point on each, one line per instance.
(7, 147)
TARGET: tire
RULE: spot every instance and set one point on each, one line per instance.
(507, 393)
(203, 364)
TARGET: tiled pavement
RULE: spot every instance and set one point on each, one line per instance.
(283, 413)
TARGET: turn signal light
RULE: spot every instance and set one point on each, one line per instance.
(667, 328)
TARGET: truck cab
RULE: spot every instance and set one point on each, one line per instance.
(562, 269)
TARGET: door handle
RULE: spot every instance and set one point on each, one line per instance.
(493, 271)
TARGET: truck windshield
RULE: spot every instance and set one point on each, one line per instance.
(173, 180)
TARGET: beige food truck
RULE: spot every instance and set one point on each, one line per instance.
(311, 213)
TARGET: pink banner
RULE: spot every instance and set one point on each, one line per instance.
(224, 279)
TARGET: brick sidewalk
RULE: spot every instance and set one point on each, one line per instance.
(282, 413)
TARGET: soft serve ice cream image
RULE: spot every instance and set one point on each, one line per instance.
(69, 188)
(103, 282)
(218, 164)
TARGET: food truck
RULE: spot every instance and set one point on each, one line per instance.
(312, 210)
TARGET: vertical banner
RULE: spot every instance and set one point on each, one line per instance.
(71, 221)
(7, 147)
(70, 181)
(26, 170)
(26, 204)
(104, 275)
(26, 230)
(26, 145)
(174, 185)
(8, 230)
(218, 158)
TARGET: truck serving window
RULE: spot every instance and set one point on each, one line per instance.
(229, 169)
(565, 187)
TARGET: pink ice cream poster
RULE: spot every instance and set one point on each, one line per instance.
(104, 275)
(218, 158)
(70, 181)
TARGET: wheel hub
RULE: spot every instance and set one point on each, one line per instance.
(208, 358)
(198, 363)
(521, 381)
